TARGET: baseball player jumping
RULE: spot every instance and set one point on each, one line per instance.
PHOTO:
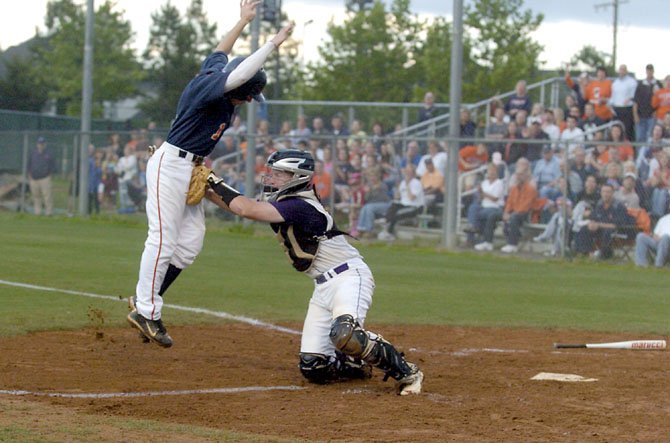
(334, 343)
(205, 109)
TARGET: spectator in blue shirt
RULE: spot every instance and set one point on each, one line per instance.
(519, 100)
(412, 156)
(546, 173)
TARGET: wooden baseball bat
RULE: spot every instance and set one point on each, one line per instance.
(631, 344)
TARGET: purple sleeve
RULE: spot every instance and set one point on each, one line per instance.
(296, 211)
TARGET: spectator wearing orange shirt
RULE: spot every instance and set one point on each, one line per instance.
(559, 117)
(661, 99)
(322, 181)
(471, 157)
(519, 203)
(626, 151)
(598, 92)
(433, 184)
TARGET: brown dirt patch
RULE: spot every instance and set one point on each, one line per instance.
(477, 385)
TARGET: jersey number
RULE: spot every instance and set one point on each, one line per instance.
(218, 133)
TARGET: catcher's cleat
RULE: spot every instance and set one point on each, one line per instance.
(151, 329)
(132, 306)
(410, 384)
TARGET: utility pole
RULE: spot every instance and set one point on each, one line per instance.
(615, 5)
(450, 211)
(86, 106)
(360, 4)
(249, 183)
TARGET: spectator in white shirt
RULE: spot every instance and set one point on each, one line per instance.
(626, 193)
(436, 154)
(572, 133)
(658, 243)
(621, 101)
(549, 125)
(410, 193)
(485, 213)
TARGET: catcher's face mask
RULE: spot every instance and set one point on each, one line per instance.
(274, 181)
(290, 171)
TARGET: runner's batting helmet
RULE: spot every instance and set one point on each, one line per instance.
(252, 88)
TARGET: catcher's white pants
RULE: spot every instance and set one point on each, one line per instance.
(347, 293)
(176, 230)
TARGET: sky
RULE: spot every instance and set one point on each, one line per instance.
(567, 26)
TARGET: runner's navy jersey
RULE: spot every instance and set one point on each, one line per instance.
(203, 113)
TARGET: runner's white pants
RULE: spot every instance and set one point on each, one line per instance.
(176, 230)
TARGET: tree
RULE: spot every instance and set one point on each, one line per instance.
(116, 71)
(391, 55)
(433, 61)
(503, 51)
(177, 46)
(23, 88)
(589, 58)
(370, 57)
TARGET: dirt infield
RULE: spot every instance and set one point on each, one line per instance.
(477, 385)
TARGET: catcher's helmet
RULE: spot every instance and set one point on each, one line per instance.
(299, 163)
(252, 88)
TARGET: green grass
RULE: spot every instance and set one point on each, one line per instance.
(62, 425)
(247, 274)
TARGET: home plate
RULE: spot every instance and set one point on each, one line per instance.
(561, 377)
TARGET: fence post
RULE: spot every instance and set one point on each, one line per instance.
(24, 174)
(72, 198)
(336, 161)
(554, 94)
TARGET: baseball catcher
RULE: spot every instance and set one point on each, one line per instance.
(334, 343)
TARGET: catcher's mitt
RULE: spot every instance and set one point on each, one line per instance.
(198, 185)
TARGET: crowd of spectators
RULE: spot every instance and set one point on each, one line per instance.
(610, 180)
(370, 176)
(117, 172)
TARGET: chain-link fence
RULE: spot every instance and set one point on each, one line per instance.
(607, 190)
(533, 184)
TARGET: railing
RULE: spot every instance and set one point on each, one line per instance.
(462, 177)
(435, 126)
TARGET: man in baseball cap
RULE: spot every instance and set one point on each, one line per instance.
(41, 165)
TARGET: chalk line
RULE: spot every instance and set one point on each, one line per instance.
(219, 314)
(153, 393)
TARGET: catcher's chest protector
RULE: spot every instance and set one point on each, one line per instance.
(300, 246)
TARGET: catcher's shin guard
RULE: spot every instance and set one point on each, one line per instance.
(348, 337)
(387, 358)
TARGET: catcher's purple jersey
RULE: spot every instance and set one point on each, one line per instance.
(297, 211)
(309, 220)
(203, 112)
